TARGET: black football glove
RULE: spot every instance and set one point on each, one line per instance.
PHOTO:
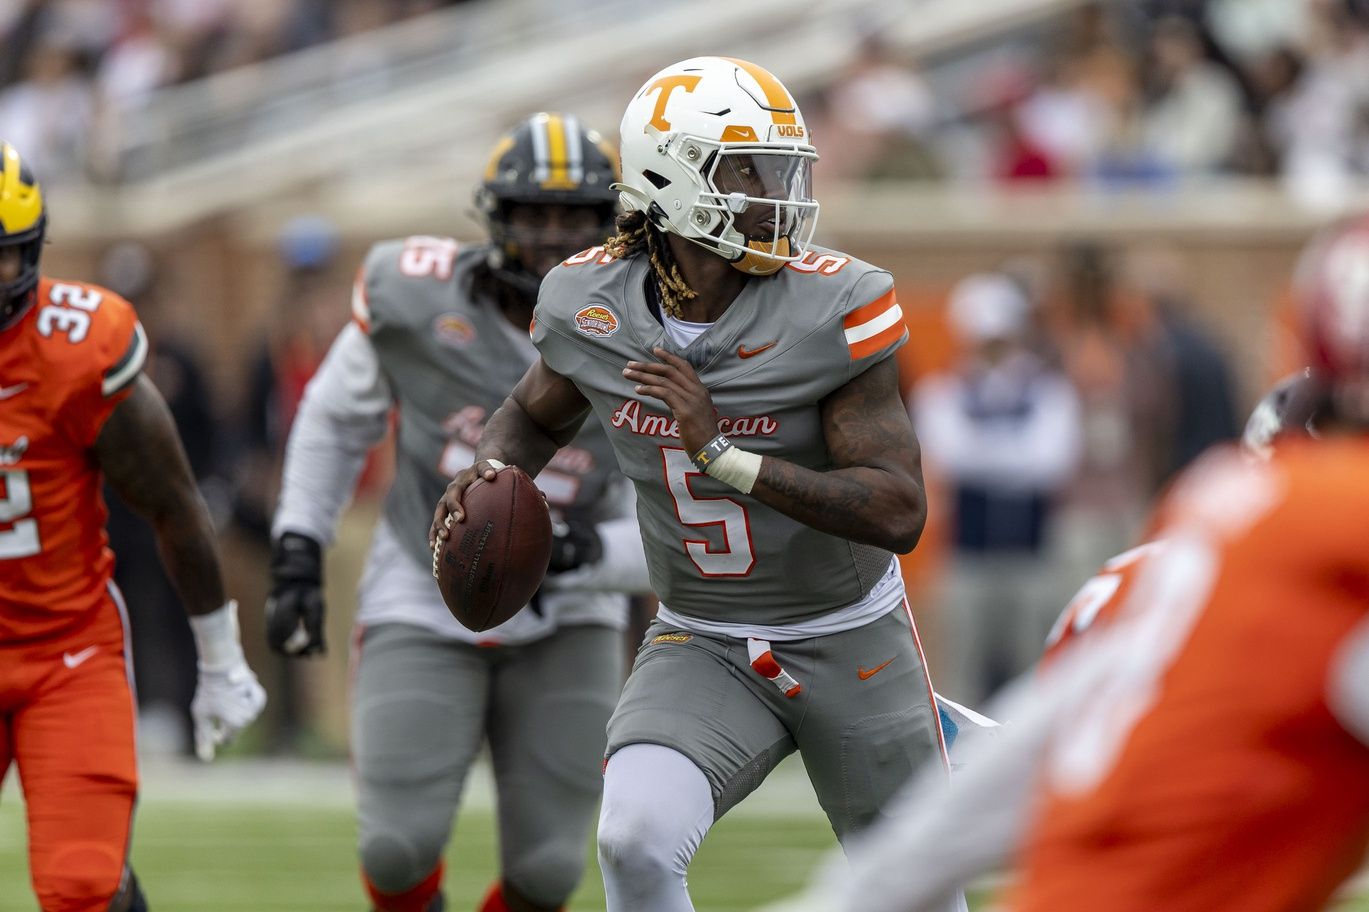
(294, 609)
(574, 543)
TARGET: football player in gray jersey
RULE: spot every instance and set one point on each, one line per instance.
(747, 384)
(441, 335)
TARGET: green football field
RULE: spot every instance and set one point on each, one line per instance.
(227, 859)
(258, 839)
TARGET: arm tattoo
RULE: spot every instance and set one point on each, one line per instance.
(141, 454)
(873, 493)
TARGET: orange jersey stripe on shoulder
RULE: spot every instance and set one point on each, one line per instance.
(870, 311)
(884, 339)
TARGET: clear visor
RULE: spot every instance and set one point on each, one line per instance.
(764, 197)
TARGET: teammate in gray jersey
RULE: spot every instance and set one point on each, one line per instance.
(747, 384)
(441, 334)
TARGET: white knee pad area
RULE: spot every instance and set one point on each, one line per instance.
(656, 809)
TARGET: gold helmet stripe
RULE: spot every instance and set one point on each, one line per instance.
(500, 150)
(558, 170)
(777, 99)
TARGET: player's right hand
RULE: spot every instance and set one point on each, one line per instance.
(449, 511)
(294, 609)
(226, 701)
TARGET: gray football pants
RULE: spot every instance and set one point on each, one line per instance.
(423, 705)
(864, 721)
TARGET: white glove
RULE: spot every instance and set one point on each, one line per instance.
(228, 696)
(225, 703)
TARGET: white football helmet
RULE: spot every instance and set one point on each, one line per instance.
(708, 139)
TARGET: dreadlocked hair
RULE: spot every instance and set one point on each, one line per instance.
(636, 234)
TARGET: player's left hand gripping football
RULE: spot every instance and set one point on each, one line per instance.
(227, 696)
(673, 381)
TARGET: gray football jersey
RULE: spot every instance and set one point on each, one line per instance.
(450, 362)
(786, 342)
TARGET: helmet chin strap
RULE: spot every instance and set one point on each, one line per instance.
(763, 262)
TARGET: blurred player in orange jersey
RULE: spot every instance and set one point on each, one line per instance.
(74, 407)
(1209, 748)
(932, 839)
(1286, 411)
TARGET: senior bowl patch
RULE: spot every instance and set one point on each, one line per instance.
(596, 320)
(673, 638)
(453, 329)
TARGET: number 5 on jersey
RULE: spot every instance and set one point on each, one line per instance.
(736, 557)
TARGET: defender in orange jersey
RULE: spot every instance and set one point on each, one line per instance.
(1286, 411)
(1218, 757)
(1208, 748)
(1107, 655)
(1222, 761)
(75, 409)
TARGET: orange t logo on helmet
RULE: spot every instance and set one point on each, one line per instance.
(666, 85)
(733, 141)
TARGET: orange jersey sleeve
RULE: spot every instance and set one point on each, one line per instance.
(1208, 768)
(1100, 599)
(64, 368)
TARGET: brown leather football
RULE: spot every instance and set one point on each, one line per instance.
(495, 558)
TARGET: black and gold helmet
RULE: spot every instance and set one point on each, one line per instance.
(546, 160)
(22, 222)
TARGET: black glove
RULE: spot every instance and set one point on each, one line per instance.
(294, 609)
(574, 543)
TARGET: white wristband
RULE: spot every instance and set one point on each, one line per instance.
(216, 637)
(736, 467)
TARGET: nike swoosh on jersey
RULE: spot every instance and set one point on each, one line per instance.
(866, 674)
(744, 352)
(72, 660)
(7, 391)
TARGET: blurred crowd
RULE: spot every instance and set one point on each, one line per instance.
(1075, 390)
(70, 69)
(1137, 93)
(1130, 92)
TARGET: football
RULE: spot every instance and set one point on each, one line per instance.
(495, 558)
